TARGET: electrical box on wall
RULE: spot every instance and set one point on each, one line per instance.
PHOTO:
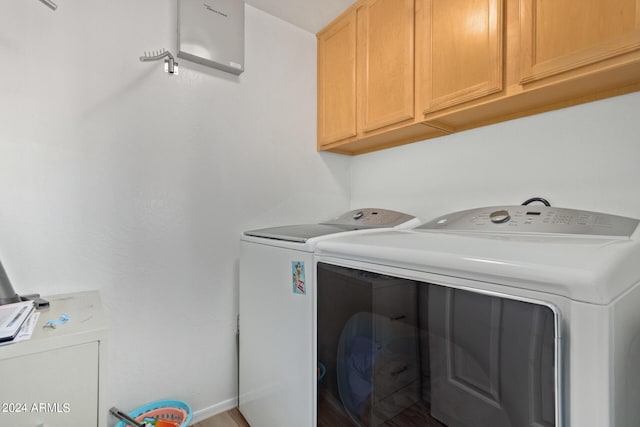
(211, 32)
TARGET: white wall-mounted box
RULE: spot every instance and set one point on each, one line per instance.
(211, 32)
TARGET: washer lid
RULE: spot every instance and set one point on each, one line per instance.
(297, 233)
(358, 219)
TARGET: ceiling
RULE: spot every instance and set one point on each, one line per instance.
(310, 15)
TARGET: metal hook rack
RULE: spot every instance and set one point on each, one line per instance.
(170, 65)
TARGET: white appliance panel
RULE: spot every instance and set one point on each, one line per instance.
(275, 320)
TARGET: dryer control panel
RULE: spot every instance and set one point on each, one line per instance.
(371, 218)
(534, 220)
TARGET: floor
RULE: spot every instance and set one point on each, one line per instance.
(331, 413)
(334, 418)
(231, 418)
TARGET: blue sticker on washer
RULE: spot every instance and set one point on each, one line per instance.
(297, 276)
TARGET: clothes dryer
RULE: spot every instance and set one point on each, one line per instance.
(506, 316)
(277, 367)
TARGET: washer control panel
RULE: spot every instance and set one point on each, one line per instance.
(370, 218)
(534, 220)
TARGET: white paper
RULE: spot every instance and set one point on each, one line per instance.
(27, 329)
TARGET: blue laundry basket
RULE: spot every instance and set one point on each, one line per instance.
(170, 410)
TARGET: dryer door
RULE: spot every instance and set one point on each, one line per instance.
(491, 360)
(402, 352)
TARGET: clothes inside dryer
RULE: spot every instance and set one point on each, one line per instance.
(400, 352)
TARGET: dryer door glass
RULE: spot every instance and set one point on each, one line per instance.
(397, 352)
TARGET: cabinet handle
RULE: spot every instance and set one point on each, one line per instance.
(402, 316)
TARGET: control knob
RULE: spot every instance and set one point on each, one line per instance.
(499, 217)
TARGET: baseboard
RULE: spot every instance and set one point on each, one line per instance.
(216, 409)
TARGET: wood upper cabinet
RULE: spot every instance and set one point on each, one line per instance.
(392, 72)
(365, 70)
(387, 62)
(485, 61)
(366, 75)
(337, 81)
(558, 36)
(459, 51)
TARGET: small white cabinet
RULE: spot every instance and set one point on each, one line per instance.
(56, 379)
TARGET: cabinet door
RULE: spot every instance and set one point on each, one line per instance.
(56, 388)
(459, 50)
(563, 35)
(387, 71)
(337, 81)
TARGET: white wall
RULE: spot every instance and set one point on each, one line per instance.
(117, 176)
(583, 157)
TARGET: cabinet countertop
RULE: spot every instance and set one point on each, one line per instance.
(86, 323)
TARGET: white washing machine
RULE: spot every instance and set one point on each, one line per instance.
(277, 367)
(507, 316)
